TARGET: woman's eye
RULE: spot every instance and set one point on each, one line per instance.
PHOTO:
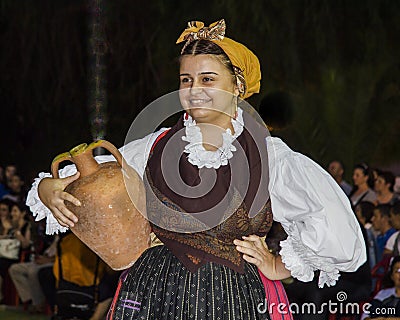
(207, 79)
(185, 80)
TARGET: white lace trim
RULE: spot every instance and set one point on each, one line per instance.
(302, 262)
(201, 157)
(40, 211)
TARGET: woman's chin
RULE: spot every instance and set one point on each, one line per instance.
(199, 113)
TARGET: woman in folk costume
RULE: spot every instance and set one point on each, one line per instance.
(214, 182)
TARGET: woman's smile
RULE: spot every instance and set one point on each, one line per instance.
(207, 90)
(196, 102)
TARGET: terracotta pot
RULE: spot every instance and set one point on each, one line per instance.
(109, 223)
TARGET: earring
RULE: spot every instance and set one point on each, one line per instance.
(235, 115)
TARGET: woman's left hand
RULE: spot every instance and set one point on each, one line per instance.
(256, 251)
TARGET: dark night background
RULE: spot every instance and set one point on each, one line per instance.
(338, 59)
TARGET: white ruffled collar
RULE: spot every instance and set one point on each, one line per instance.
(201, 157)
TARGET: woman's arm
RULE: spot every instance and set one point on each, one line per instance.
(255, 251)
(25, 239)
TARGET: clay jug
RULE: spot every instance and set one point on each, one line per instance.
(108, 221)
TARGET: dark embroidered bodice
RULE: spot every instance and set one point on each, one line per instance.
(202, 229)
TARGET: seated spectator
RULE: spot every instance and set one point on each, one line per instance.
(3, 185)
(5, 217)
(386, 303)
(25, 274)
(10, 170)
(21, 231)
(381, 223)
(396, 187)
(393, 244)
(384, 184)
(336, 170)
(17, 191)
(364, 212)
(78, 266)
(362, 177)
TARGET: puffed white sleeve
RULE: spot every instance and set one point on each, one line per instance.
(135, 153)
(323, 232)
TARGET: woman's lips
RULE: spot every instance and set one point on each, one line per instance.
(198, 102)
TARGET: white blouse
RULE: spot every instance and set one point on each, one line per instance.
(323, 233)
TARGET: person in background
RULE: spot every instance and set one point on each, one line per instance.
(5, 227)
(3, 185)
(364, 212)
(10, 170)
(384, 184)
(381, 223)
(78, 265)
(386, 303)
(25, 275)
(16, 186)
(277, 110)
(396, 187)
(393, 244)
(5, 217)
(21, 230)
(336, 169)
(362, 176)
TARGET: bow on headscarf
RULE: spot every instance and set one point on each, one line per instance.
(245, 62)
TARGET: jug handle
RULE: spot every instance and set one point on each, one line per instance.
(108, 146)
(57, 160)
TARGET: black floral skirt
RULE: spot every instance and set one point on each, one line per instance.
(159, 287)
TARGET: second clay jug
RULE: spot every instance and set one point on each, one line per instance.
(109, 222)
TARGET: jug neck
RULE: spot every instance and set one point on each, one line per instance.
(84, 160)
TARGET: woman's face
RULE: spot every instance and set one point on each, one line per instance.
(16, 214)
(4, 213)
(359, 177)
(359, 215)
(380, 184)
(207, 89)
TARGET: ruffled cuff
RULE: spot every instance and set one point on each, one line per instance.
(302, 262)
(39, 210)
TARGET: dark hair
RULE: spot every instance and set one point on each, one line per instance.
(21, 206)
(396, 207)
(364, 168)
(387, 281)
(203, 46)
(367, 210)
(393, 262)
(389, 178)
(384, 209)
(8, 202)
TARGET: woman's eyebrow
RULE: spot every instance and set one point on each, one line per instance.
(208, 72)
(201, 73)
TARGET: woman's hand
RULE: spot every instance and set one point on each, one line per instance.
(255, 251)
(51, 192)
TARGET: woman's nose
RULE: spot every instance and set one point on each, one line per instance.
(196, 87)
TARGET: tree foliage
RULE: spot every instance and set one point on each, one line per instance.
(338, 59)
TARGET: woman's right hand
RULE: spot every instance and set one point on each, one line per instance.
(51, 193)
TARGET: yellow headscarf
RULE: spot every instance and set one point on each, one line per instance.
(245, 62)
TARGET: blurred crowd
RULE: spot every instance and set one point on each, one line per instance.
(31, 276)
